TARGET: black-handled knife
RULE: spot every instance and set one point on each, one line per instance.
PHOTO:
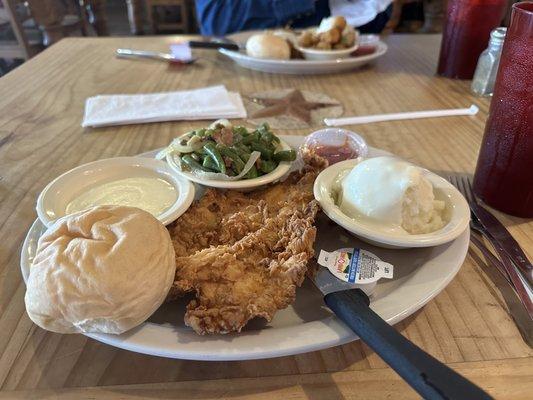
(428, 376)
(213, 45)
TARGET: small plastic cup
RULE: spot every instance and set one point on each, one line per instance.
(336, 144)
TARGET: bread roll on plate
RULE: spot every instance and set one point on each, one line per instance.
(105, 270)
(269, 46)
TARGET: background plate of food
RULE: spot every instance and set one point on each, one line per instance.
(274, 52)
(302, 322)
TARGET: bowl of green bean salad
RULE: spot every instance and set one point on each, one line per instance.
(230, 157)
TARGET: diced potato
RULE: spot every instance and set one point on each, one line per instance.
(323, 46)
(306, 39)
(332, 36)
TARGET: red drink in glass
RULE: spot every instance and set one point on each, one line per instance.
(504, 172)
(466, 34)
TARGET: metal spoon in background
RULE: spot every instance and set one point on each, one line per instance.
(152, 55)
(209, 43)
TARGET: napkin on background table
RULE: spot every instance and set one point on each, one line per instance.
(206, 103)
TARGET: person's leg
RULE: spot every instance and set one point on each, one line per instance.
(378, 23)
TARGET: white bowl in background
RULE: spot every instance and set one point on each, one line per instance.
(53, 200)
(241, 184)
(457, 210)
(321, 55)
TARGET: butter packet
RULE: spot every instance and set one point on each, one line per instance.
(355, 265)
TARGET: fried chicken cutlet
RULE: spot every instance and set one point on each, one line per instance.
(244, 254)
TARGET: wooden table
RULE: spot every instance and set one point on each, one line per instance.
(466, 326)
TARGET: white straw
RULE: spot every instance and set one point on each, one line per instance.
(397, 116)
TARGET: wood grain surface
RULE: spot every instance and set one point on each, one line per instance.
(41, 106)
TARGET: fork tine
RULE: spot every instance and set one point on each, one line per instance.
(451, 179)
(471, 190)
(457, 181)
(466, 188)
(461, 188)
(454, 180)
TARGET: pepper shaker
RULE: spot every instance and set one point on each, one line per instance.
(487, 65)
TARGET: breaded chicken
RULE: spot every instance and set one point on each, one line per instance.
(244, 254)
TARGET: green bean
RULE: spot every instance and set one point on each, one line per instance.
(264, 127)
(200, 132)
(233, 156)
(210, 164)
(201, 151)
(193, 164)
(241, 130)
(285, 155)
(252, 173)
(245, 156)
(216, 156)
(195, 156)
(264, 150)
(267, 166)
(269, 137)
(243, 147)
(242, 151)
(252, 137)
(208, 132)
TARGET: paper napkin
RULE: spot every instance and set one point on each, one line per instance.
(206, 103)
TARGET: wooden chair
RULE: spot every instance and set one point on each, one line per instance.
(33, 25)
(17, 38)
(434, 11)
(97, 16)
(157, 26)
(54, 21)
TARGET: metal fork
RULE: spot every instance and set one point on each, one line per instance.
(463, 184)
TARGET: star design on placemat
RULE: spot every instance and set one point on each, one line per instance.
(293, 104)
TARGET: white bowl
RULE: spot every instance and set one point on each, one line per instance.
(53, 200)
(321, 55)
(242, 184)
(457, 210)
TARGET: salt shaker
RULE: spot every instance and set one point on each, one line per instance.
(487, 65)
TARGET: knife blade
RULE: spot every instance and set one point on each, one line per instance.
(428, 376)
(517, 310)
(496, 229)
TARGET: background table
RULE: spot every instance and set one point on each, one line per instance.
(41, 106)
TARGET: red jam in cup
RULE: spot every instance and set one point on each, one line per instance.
(335, 144)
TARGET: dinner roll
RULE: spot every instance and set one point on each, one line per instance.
(267, 45)
(105, 270)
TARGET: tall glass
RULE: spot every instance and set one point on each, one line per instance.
(466, 34)
(504, 172)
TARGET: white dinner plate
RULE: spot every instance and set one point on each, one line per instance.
(307, 324)
(302, 66)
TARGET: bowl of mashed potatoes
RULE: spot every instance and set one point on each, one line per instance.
(392, 203)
